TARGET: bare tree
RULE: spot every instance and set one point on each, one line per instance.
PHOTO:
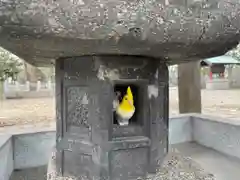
(10, 66)
(33, 74)
(235, 52)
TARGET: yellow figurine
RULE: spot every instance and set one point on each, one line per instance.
(125, 109)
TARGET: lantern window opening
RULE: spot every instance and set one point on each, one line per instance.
(120, 89)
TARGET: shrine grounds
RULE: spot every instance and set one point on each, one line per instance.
(225, 103)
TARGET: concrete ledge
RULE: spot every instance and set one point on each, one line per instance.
(220, 134)
(31, 145)
(32, 150)
(26, 147)
(180, 129)
(6, 157)
(217, 133)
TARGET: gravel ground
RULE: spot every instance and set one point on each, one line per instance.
(27, 111)
(32, 111)
(175, 167)
(38, 173)
(178, 167)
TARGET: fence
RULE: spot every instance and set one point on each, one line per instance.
(16, 90)
(231, 82)
(16, 86)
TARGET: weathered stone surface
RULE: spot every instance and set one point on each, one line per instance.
(172, 30)
(90, 142)
(175, 167)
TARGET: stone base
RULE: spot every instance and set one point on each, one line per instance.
(175, 167)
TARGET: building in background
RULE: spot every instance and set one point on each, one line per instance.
(221, 72)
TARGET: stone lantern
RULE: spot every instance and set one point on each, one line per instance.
(100, 48)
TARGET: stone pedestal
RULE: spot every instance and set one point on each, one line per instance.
(174, 167)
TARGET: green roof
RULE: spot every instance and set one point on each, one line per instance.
(225, 59)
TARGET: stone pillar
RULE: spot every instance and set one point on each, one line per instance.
(17, 86)
(189, 87)
(38, 86)
(27, 85)
(49, 85)
(90, 143)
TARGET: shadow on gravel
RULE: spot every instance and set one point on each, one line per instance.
(38, 173)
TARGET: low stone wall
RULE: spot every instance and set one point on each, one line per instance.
(217, 133)
(32, 150)
(180, 129)
(24, 147)
(6, 157)
(218, 84)
(220, 134)
(23, 90)
(32, 146)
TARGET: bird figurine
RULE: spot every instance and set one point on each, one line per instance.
(125, 109)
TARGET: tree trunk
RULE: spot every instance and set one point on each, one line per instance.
(31, 75)
(1, 90)
(189, 87)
